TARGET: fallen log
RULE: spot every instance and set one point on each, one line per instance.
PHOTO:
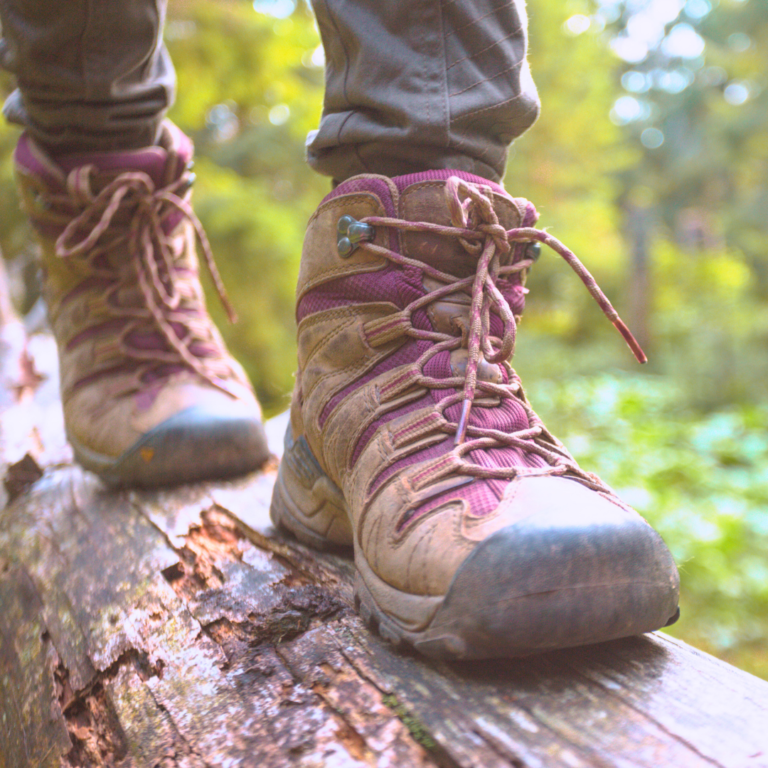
(178, 628)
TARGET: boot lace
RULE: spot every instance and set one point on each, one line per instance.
(476, 225)
(154, 258)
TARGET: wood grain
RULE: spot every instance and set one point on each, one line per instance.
(177, 628)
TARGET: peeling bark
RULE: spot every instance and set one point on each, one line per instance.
(177, 629)
(20, 475)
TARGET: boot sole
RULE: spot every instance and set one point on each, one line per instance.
(470, 621)
(189, 447)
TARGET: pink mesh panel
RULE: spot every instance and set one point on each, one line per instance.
(506, 457)
(147, 341)
(402, 286)
(481, 495)
(439, 366)
(531, 215)
(352, 289)
(510, 416)
(204, 350)
(495, 457)
(151, 160)
(514, 294)
(402, 182)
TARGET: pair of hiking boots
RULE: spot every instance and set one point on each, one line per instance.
(475, 533)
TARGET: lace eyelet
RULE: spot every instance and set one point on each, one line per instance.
(186, 184)
(350, 232)
(533, 251)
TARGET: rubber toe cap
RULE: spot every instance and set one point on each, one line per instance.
(217, 440)
(575, 568)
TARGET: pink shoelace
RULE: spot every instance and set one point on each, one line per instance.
(476, 226)
(151, 249)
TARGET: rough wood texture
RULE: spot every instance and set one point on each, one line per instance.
(179, 629)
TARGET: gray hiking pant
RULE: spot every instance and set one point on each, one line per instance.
(411, 85)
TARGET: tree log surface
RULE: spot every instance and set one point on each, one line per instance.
(178, 628)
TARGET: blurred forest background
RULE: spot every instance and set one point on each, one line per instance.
(650, 161)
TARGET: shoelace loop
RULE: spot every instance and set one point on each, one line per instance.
(476, 225)
(148, 243)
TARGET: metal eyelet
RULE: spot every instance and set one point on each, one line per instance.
(350, 232)
(533, 251)
(186, 184)
(39, 200)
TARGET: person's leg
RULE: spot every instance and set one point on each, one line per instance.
(93, 75)
(418, 85)
(475, 533)
(150, 394)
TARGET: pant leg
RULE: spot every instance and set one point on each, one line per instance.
(413, 85)
(92, 74)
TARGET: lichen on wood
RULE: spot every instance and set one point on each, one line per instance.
(178, 629)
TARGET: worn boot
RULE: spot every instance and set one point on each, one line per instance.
(151, 396)
(475, 532)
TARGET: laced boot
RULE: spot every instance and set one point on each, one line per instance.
(150, 394)
(475, 533)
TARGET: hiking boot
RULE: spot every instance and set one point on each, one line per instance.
(475, 533)
(150, 394)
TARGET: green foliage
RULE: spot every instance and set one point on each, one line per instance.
(566, 164)
(686, 438)
(248, 94)
(711, 330)
(259, 272)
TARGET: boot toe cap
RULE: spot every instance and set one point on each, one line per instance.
(216, 439)
(576, 568)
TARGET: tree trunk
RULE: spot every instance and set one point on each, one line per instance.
(178, 629)
(639, 230)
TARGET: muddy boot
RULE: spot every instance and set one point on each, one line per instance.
(475, 533)
(151, 396)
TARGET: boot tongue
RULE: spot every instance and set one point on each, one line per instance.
(163, 163)
(422, 198)
(150, 160)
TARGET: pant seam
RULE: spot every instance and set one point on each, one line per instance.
(447, 117)
(480, 18)
(340, 38)
(425, 69)
(530, 109)
(487, 48)
(489, 79)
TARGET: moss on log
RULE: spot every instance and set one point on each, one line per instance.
(178, 629)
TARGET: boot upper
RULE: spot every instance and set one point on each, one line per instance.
(120, 279)
(409, 295)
